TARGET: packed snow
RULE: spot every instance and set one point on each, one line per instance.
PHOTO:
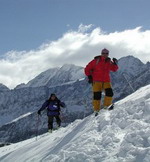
(120, 135)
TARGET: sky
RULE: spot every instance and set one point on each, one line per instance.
(36, 35)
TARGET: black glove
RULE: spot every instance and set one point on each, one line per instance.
(115, 61)
(90, 79)
(39, 112)
(62, 104)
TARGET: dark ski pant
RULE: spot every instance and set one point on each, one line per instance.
(51, 119)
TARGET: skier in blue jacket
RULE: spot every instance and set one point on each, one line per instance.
(53, 105)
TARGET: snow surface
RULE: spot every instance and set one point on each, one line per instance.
(121, 135)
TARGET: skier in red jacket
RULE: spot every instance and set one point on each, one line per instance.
(98, 72)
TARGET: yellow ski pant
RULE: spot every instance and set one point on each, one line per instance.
(98, 87)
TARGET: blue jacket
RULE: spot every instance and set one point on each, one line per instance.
(53, 107)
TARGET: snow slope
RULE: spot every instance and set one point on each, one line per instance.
(121, 135)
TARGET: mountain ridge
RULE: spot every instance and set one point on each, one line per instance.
(76, 93)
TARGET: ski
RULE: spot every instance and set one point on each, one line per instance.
(111, 107)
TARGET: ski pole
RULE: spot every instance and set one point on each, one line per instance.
(37, 126)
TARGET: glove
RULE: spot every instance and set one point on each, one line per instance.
(63, 104)
(39, 112)
(90, 79)
(115, 61)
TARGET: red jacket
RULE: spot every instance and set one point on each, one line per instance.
(100, 69)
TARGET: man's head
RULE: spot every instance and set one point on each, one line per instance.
(53, 96)
(105, 52)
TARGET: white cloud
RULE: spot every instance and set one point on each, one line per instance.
(77, 47)
(84, 28)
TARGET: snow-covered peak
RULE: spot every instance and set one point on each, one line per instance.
(130, 65)
(20, 86)
(75, 72)
(3, 87)
(40, 80)
(67, 67)
(148, 64)
(119, 135)
(43, 78)
(56, 76)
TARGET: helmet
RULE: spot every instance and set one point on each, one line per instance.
(105, 51)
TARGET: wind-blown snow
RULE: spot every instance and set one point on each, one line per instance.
(22, 116)
(121, 135)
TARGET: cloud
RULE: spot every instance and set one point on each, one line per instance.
(84, 28)
(77, 47)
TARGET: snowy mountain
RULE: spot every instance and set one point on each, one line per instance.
(120, 135)
(130, 65)
(56, 76)
(3, 88)
(18, 107)
(40, 80)
(132, 74)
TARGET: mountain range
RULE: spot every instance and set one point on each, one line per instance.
(18, 107)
